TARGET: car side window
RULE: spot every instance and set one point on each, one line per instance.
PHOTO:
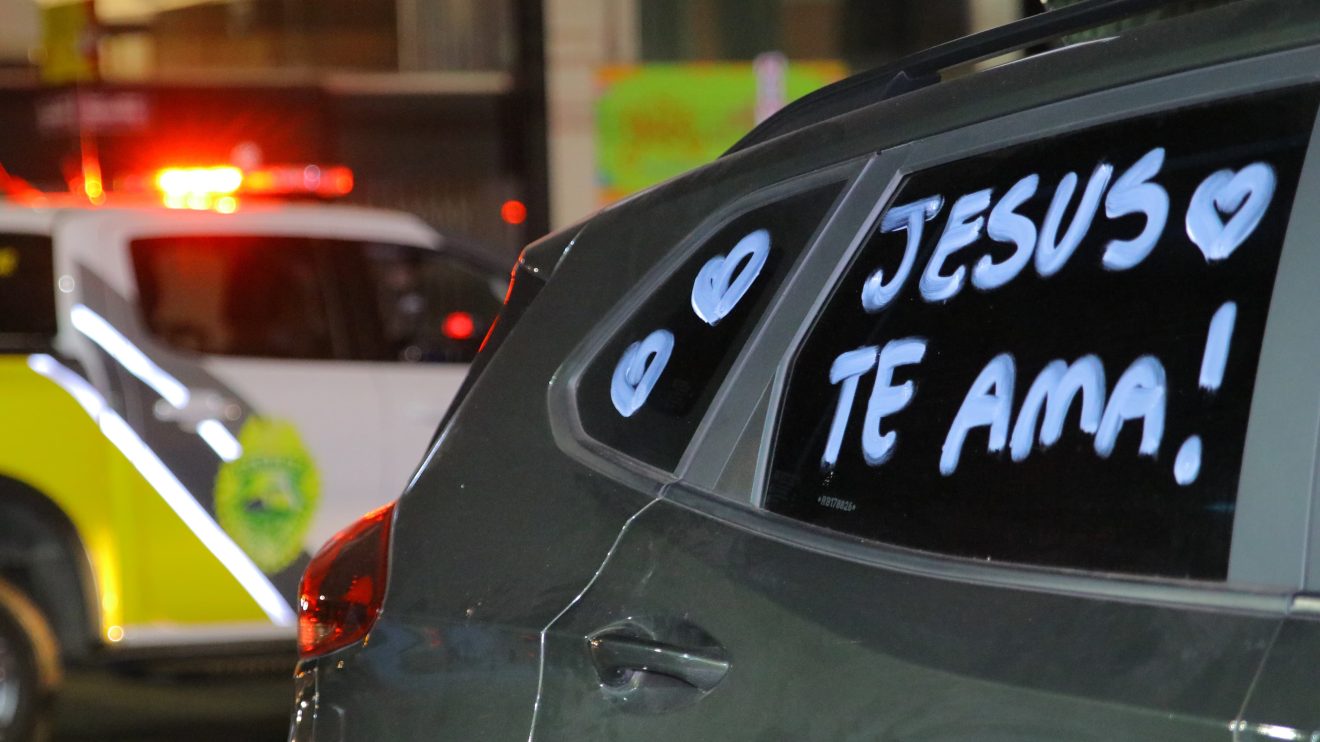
(431, 307)
(645, 393)
(27, 292)
(1045, 355)
(236, 295)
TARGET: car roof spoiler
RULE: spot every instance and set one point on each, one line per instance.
(923, 68)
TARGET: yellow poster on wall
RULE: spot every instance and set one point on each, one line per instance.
(654, 121)
(69, 39)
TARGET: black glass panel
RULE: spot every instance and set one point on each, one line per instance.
(1061, 374)
(27, 292)
(430, 307)
(647, 391)
(229, 295)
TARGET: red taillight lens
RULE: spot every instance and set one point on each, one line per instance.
(344, 585)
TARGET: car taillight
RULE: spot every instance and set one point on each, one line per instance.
(344, 585)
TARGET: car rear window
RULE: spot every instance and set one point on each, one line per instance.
(1045, 354)
(430, 307)
(257, 296)
(27, 292)
(646, 392)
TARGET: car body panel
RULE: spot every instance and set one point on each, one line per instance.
(510, 567)
(1283, 698)
(826, 648)
(672, 565)
(463, 653)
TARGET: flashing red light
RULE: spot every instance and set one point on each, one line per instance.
(513, 212)
(89, 178)
(458, 326)
(94, 188)
(198, 187)
(339, 181)
(283, 180)
(219, 187)
(17, 189)
(343, 588)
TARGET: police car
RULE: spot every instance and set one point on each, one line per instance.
(196, 390)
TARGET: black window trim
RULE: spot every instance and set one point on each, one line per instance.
(1251, 551)
(566, 423)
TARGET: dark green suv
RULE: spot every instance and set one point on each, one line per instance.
(976, 409)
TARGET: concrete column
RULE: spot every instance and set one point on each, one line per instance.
(581, 35)
(983, 14)
(20, 30)
(986, 14)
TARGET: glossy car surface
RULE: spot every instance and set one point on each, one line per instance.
(986, 411)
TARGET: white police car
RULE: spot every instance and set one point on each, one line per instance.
(194, 398)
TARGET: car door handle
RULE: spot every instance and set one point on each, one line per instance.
(618, 656)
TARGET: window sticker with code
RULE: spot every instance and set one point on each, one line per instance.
(1046, 354)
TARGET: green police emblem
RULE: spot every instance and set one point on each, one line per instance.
(265, 499)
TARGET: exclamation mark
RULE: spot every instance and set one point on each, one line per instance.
(1187, 465)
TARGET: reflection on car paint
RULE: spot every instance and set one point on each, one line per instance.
(128, 355)
(168, 486)
(218, 437)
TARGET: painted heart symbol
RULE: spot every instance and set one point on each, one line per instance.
(1243, 196)
(724, 279)
(638, 371)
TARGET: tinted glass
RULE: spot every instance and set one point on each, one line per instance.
(1047, 385)
(243, 296)
(647, 391)
(27, 292)
(430, 307)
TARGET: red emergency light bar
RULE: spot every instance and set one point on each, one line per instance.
(219, 187)
(200, 187)
(310, 179)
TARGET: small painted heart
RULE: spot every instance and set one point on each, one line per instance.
(638, 371)
(1243, 196)
(724, 280)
